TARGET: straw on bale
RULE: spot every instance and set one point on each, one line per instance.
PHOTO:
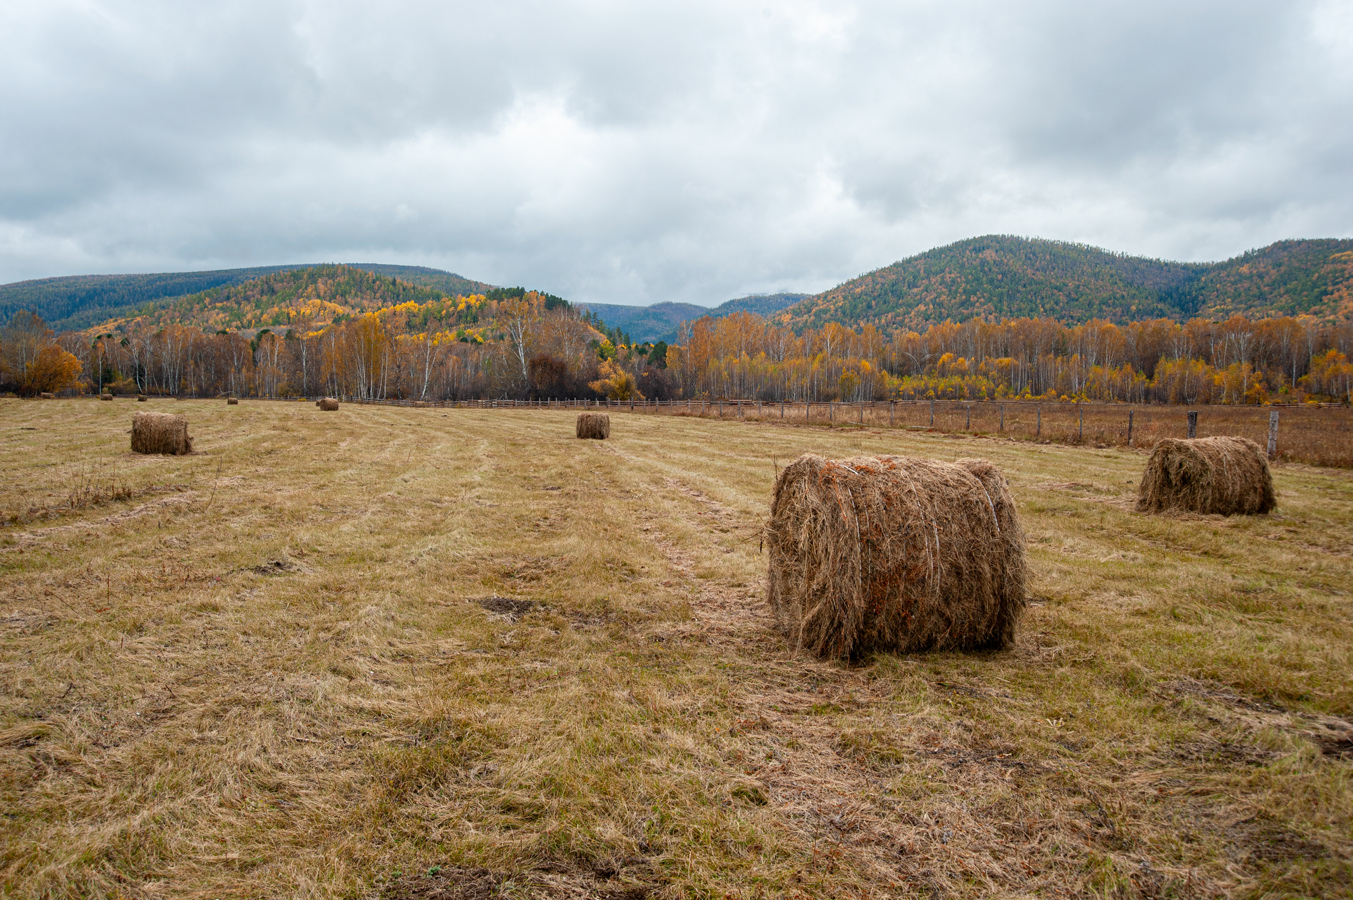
(46, 395)
(232, 401)
(594, 425)
(140, 398)
(329, 404)
(157, 432)
(1221, 475)
(894, 553)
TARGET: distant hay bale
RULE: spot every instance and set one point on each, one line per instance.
(232, 401)
(328, 404)
(894, 553)
(1221, 475)
(140, 398)
(46, 395)
(105, 396)
(157, 432)
(594, 425)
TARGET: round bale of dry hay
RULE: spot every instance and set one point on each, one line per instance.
(329, 404)
(46, 395)
(232, 401)
(157, 432)
(140, 398)
(596, 426)
(894, 553)
(1221, 475)
(105, 396)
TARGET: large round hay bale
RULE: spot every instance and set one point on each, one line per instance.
(594, 425)
(893, 553)
(157, 432)
(232, 401)
(1221, 475)
(105, 396)
(329, 404)
(46, 395)
(140, 398)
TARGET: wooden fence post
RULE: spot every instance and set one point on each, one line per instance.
(1193, 424)
(1039, 431)
(1002, 417)
(831, 411)
(967, 422)
(1273, 434)
(892, 412)
(1130, 415)
(932, 413)
(861, 412)
(782, 410)
(1080, 429)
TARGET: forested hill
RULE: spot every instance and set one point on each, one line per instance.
(1010, 277)
(82, 301)
(661, 321)
(313, 295)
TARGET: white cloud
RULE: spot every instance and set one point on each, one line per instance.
(617, 152)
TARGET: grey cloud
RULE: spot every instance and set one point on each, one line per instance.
(618, 152)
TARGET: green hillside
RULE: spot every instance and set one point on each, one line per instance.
(316, 295)
(82, 301)
(1008, 277)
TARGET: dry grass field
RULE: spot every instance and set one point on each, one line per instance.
(421, 653)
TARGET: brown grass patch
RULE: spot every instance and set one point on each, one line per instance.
(894, 553)
(156, 432)
(1216, 475)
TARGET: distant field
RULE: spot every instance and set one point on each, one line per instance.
(398, 653)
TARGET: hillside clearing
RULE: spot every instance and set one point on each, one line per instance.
(392, 652)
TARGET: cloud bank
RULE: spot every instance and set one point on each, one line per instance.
(632, 153)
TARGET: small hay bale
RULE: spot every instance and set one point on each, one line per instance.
(1220, 475)
(594, 425)
(105, 396)
(894, 553)
(157, 432)
(232, 401)
(328, 404)
(46, 395)
(140, 398)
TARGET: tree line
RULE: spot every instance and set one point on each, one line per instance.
(526, 344)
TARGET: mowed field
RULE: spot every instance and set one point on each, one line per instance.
(403, 653)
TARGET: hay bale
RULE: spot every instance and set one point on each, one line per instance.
(232, 401)
(1221, 475)
(105, 396)
(894, 553)
(328, 404)
(594, 425)
(140, 398)
(46, 395)
(157, 432)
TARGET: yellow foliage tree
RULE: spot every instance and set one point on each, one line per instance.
(615, 383)
(53, 370)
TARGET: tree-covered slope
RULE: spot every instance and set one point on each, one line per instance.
(1008, 277)
(82, 301)
(314, 295)
(1289, 278)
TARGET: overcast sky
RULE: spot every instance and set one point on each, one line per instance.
(633, 152)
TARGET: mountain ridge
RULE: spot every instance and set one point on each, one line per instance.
(77, 302)
(1005, 276)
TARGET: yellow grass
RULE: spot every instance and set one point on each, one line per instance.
(268, 670)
